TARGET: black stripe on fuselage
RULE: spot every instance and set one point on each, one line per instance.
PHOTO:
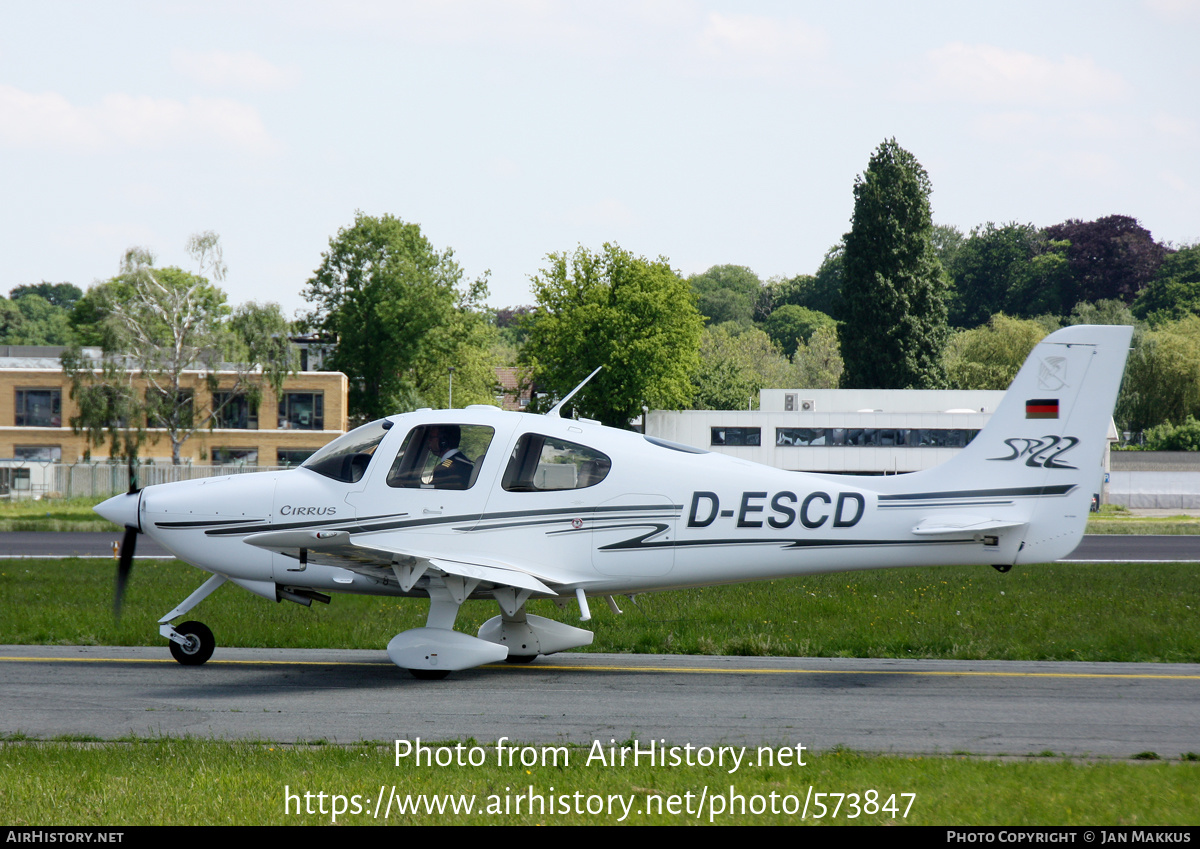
(1011, 492)
(396, 523)
(640, 542)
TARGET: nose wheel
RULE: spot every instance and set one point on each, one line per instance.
(196, 646)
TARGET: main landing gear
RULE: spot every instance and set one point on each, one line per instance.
(431, 652)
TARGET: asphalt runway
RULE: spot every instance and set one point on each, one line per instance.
(891, 706)
(993, 708)
(1095, 548)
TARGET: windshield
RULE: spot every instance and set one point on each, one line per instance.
(346, 458)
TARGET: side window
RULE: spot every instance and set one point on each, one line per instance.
(545, 464)
(442, 456)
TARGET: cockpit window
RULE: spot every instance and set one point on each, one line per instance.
(441, 456)
(346, 458)
(545, 464)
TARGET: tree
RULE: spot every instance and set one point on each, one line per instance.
(1102, 312)
(382, 291)
(1043, 285)
(634, 316)
(1162, 377)
(37, 315)
(987, 267)
(790, 326)
(947, 240)
(57, 294)
(726, 293)
(893, 312)
(820, 292)
(1175, 290)
(467, 341)
(818, 364)
(736, 362)
(989, 357)
(156, 325)
(1111, 257)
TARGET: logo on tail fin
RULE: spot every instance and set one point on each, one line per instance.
(1052, 373)
(1036, 451)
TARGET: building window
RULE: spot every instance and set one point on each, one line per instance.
(39, 408)
(799, 436)
(38, 453)
(14, 480)
(293, 456)
(234, 411)
(873, 437)
(302, 411)
(235, 456)
(736, 436)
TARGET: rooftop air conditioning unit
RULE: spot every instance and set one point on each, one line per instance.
(808, 406)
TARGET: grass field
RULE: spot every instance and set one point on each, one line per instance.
(1105, 612)
(181, 782)
(1091, 612)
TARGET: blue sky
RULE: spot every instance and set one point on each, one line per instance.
(705, 132)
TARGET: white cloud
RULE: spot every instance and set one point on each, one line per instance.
(243, 70)
(125, 120)
(1176, 182)
(1176, 11)
(982, 73)
(759, 46)
(1024, 126)
(1174, 128)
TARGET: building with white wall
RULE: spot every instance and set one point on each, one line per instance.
(857, 431)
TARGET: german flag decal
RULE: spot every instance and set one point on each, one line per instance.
(1041, 408)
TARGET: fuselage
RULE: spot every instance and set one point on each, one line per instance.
(661, 516)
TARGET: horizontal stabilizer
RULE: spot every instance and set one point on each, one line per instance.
(946, 525)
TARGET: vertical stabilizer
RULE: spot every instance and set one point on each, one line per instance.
(1043, 449)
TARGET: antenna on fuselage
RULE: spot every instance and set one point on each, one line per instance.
(553, 411)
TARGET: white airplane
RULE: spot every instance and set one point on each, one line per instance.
(479, 503)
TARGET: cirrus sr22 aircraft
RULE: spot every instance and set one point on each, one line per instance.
(483, 504)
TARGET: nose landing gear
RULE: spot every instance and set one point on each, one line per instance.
(197, 646)
(192, 643)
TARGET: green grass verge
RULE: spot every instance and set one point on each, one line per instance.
(58, 514)
(1088, 612)
(184, 782)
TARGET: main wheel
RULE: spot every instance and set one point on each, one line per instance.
(200, 644)
(429, 674)
(521, 658)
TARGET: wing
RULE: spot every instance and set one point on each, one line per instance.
(339, 548)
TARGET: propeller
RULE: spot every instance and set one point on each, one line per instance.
(129, 541)
(124, 567)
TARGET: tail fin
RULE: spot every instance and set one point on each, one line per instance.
(1044, 446)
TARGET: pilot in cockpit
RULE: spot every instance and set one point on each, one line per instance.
(446, 467)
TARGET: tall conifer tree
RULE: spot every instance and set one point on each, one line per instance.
(893, 309)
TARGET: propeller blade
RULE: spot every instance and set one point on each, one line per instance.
(124, 566)
(133, 476)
